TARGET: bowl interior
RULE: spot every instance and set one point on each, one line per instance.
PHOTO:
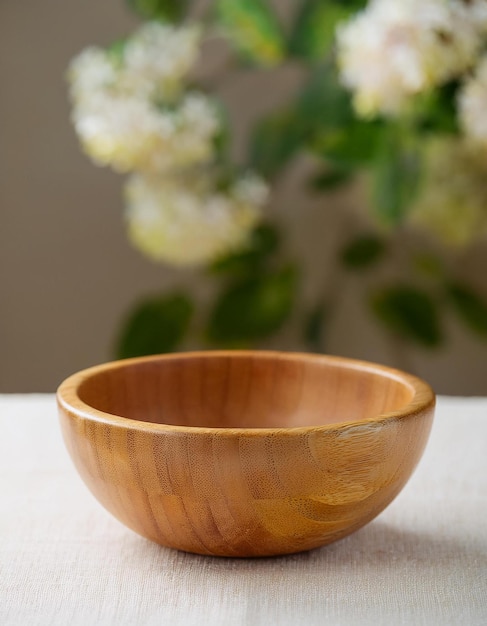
(242, 390)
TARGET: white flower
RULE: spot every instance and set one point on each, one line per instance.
(153, 63)
(132, 133)
(251, 190)
(196, 125)
(128, 109)
(158, 57)
(472, 105)
(185, 221)
(90, 72)
(453, 199)
(395, 49)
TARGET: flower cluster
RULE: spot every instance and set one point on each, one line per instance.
(188, 222)
(133, 111)
(395, 49)
(453, 200)
(132, 134)
(129, 107)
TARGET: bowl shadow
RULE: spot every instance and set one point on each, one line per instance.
(381, 570)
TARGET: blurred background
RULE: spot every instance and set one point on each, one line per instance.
(70, 277)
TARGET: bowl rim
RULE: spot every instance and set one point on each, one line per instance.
(68, 399)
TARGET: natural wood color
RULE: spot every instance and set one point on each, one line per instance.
(245, 453)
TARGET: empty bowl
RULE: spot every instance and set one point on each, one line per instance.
(245, 453)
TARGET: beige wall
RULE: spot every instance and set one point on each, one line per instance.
(67, 273)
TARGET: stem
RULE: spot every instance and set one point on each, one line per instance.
(333, 291)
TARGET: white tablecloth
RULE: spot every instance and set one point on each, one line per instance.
(65, 561)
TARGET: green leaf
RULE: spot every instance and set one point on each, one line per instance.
(470, 308)
(156, 325)
(321, 114)
(314, 31)
(410, 313)
(352, 145)
(324, 103)
(170, 10)
(280, 136)
(264, 241)
(333, 131)
(275, 140)
(396, 179)
(438, 110)
(253, 308)
(252, 27)
(363, 252)
(314, 328)
(330, 179)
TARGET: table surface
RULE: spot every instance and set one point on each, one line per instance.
(65, 561)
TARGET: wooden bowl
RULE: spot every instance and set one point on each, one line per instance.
(245, 453)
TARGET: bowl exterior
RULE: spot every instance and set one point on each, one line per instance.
(244, 493)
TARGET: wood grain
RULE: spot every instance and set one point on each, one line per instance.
(245, 453)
